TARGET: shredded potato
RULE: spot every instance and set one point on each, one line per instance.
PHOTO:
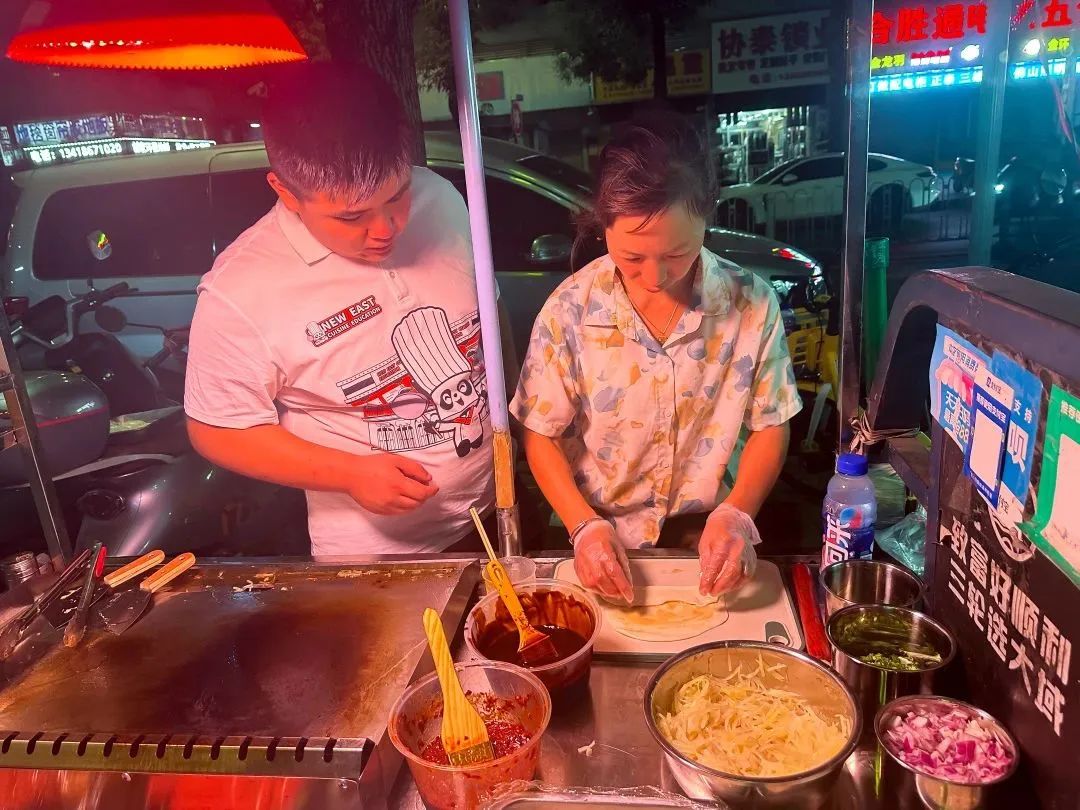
(737, 725)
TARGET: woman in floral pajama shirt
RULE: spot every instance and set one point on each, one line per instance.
(645, 367)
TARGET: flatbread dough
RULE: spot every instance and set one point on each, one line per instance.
(667, 613)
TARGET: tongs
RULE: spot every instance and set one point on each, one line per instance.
(14, 630)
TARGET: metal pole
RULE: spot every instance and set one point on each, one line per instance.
(991, 112)
(469, 122)
(858, 44)
(25, 435)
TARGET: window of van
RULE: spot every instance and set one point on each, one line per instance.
(142, 228)
(239, 200)
(9, 195)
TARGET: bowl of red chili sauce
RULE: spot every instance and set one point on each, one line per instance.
(516, 709)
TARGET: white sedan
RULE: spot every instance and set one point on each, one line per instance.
(810, 188)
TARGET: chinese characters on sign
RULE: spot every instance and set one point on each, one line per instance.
(954, 367)
(784, 50)
(1020, 633)
(921, 23)
(45, 133)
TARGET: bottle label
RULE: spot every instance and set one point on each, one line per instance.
(846, 537)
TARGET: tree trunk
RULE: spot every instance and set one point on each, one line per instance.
(380, 34)
(659, 49)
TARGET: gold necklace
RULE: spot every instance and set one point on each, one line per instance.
(661, 334)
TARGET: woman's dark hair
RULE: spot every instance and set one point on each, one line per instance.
(651, 163)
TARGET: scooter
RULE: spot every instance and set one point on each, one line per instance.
(131, 481)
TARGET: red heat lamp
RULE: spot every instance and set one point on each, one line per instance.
(153, 34)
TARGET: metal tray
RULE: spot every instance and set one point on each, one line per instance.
(320, 654)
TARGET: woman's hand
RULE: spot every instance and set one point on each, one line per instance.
(727, 551)
(601, 564)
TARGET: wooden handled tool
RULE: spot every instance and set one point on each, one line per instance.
(118, 577)
(464, 735)
(123, 611)
(536, 648)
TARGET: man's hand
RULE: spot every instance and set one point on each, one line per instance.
(387, 484)
(601, 564)
(726, 550)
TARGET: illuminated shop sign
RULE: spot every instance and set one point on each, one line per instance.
(43, 133)
(940, 45)
(111, 147)
(32, 134)
(960, 76)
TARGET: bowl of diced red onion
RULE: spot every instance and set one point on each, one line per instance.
(954, 749)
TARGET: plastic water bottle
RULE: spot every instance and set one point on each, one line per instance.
(849, 512)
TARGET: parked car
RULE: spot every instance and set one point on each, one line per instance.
(164, 218)
(813, 188)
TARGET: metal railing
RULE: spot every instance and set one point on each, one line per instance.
(922, 210)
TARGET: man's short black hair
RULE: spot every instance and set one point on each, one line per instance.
(337, 128)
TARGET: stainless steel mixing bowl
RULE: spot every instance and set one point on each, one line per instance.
(868, 582)
(936, 793)
(802, 674)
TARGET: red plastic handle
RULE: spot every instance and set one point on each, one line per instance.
(99, 564)
(817, 643)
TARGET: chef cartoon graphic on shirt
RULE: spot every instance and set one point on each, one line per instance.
(426, 347)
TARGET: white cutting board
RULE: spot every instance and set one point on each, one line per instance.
(762, 600)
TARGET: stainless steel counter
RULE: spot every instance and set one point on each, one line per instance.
(322, 654)
(623, 753)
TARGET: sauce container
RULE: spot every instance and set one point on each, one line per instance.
(547, 602)
(868, 582)
(416, 720)
(875, 685)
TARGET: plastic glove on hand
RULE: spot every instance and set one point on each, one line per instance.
(726, 550)
(601, 564)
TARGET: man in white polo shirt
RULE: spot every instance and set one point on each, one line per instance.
(336, 343)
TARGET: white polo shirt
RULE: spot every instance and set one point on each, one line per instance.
(357, 357)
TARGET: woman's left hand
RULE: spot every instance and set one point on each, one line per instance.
(727, 551)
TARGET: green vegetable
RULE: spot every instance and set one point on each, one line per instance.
(887, 641)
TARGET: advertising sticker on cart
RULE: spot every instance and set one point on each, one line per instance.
(1056, 525)
(954, 367)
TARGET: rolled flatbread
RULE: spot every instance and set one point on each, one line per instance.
(667, 613)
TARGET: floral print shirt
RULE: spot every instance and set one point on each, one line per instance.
(649, 429)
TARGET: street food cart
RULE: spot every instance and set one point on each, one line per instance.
(269, 683)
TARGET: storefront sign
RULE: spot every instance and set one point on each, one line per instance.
(688, 75)
(913, 39)
(489, 86)
(7, 147)
(45, 133)
(48, 155)
(785, 50)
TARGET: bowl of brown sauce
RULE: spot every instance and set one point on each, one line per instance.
(564, 612)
